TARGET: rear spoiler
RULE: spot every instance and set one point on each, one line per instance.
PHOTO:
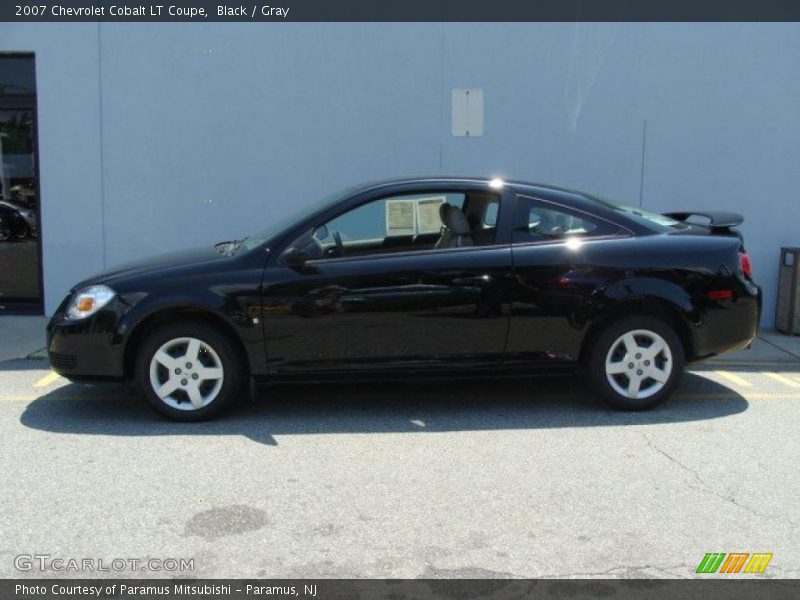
(717, 219)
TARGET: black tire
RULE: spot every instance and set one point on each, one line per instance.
(610, 338)
(221, 351)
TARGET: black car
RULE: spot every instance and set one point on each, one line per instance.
(455, 277)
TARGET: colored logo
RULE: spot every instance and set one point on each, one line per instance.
(735, 562)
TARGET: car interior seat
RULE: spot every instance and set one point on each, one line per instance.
(455, 228)
(551, 224)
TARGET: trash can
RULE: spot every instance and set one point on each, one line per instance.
(787, 316)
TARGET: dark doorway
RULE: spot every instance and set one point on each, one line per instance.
(20, 235)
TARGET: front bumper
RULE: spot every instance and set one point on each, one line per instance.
(87, 349)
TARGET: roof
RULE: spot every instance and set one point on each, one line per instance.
(545, 191)
(455, 179)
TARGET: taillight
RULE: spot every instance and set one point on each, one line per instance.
(720, 294)
(744, 263)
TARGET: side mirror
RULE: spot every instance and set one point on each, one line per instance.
(302, 250)
(293, 257)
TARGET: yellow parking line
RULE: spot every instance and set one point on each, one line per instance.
(782, 379)
(735, 396)
(47, 379)
(740, 381)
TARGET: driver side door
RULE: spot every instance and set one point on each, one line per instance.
(379, 295)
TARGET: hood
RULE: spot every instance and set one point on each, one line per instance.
(183, 258)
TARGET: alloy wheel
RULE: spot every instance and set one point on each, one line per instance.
(638, 364)
(186, 373)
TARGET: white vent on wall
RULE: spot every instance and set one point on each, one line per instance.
(467, 112)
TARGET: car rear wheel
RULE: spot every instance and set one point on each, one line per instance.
(189, 371)
(636, 363)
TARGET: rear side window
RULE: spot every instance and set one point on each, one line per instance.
(490, 214)
(536, 221)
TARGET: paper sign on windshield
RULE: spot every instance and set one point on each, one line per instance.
(400, 217)
(428, 219)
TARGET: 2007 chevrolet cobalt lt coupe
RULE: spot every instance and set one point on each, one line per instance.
(440, 276)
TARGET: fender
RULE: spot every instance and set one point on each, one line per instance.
(143, 307)
(641, 288)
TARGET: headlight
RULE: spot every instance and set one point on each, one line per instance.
(88, 301)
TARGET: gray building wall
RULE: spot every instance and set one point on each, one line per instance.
(157, 137)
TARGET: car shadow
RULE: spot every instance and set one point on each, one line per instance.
(377, 407)
(24, 364)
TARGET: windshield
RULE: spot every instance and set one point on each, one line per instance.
(643, 217)
(257, 239)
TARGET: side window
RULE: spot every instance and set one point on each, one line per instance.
(490, 214)
(395, 224)
(541, 221)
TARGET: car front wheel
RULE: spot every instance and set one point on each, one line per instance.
(636, 363)
(189, 371)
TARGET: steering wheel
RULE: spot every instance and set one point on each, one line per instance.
(339, 245)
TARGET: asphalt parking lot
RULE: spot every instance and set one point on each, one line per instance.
(508, 478)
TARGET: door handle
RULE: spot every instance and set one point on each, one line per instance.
(479, 280)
